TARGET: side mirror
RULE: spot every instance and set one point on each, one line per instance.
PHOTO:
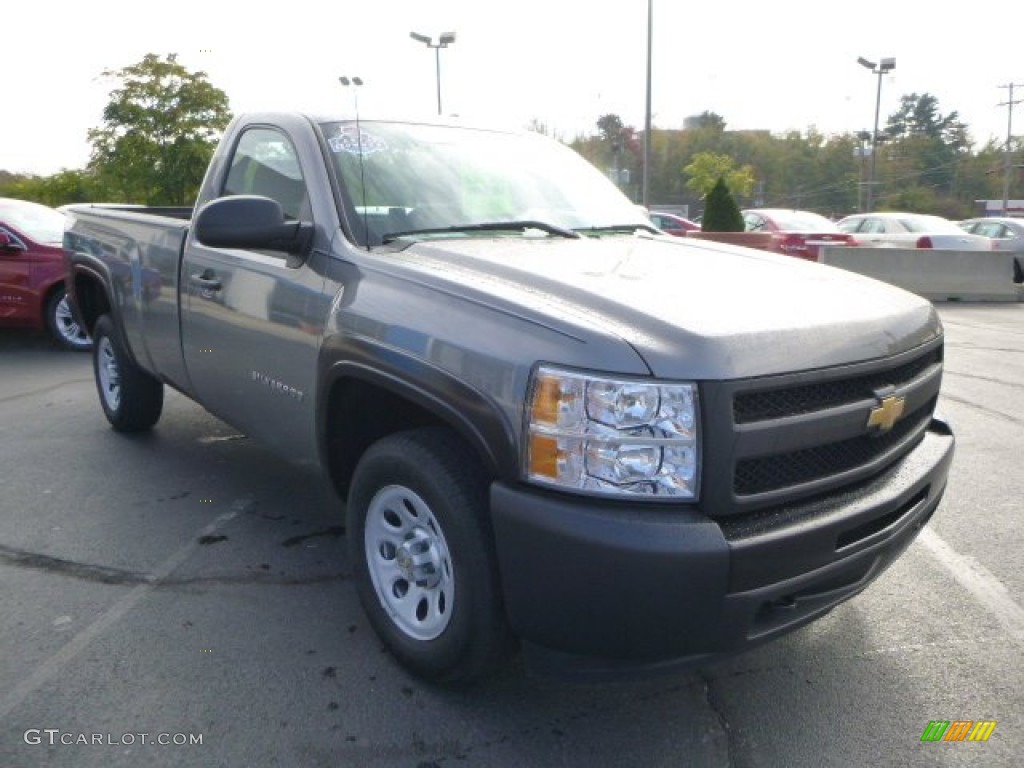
(251, 221)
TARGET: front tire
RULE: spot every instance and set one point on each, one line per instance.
(63, 326)
(132, 400)
(423, 555)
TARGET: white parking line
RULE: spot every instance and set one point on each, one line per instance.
(49, 669)
(979, 581)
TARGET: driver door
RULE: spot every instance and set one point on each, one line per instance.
(252, 320)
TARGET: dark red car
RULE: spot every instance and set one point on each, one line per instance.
(796, 233)
(32, 272)
(672, 224)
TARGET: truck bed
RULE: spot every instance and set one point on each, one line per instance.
(140, 250)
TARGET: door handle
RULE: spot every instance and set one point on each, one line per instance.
(207, 280)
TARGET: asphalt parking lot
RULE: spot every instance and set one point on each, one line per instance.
(183, 599)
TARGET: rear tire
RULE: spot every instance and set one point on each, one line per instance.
(63, 326)
(132, 400)
(423, 555)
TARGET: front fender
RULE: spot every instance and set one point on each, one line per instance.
(468, 410)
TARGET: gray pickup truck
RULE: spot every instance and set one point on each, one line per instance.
(553, 426)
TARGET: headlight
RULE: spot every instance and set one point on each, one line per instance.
(613, 436)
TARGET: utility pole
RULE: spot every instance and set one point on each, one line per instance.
(1009, 143)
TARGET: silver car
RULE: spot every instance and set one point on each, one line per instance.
(911, 230)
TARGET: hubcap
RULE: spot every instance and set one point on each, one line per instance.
(69, 330)
(109, 374)
(409, 562)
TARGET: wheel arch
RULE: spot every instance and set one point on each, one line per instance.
(362, 403)
(89, 298)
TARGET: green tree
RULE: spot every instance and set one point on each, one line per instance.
(926, 162)
(721, 214)
(616, 150)
(708, 120)
(924, 148)
(708, 169)
(609, 127)
(159, 131)
(60, 189)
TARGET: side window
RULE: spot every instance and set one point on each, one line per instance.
(988, 229)
(12, 238)
(753, 222)
(266, 163)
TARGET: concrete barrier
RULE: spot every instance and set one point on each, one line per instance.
(938, 275)
(759, 240)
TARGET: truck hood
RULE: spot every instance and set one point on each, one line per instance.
(697, 309)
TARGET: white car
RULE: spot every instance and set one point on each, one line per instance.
(1006, 234)
(911, 230)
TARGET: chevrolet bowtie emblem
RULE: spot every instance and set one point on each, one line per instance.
(887, 413)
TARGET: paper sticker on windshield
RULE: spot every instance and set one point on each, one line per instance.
(356, 143)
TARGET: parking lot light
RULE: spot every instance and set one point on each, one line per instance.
(882, 67)
(446, 39)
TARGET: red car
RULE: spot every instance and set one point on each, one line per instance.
(796, 233)
(672, 224)
(32, 272)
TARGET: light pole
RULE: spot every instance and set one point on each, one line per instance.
(443, 41)
(860, 152)
(882, 67)
(646, 182)
(354, 82)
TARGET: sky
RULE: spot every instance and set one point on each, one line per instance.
(777, 65)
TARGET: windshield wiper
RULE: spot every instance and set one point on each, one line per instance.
(487, 226)
(619, 228)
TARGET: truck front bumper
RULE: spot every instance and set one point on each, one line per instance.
(593, 588)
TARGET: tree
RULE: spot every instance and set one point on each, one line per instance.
(159, 131)
(708, 120)
(616, 150)
(919, 115)
(925, 147)
(721, 214)
(544, 129)
(925, 162)
(610, 127)
(708, 169)
(59, 189)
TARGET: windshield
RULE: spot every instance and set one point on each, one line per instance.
(37, 222)
(407, 178)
